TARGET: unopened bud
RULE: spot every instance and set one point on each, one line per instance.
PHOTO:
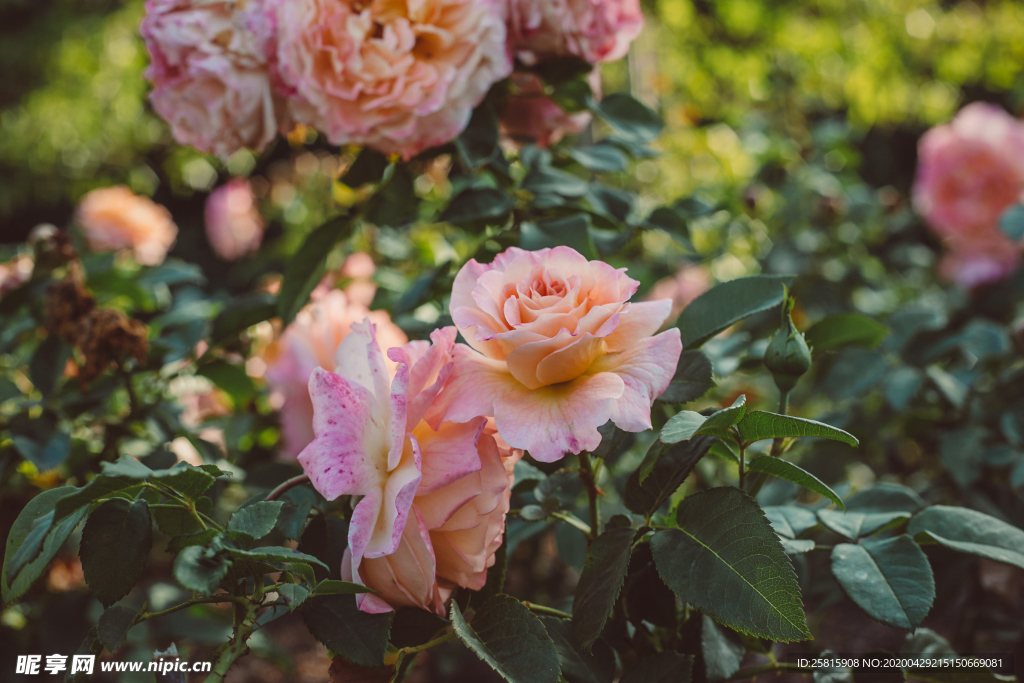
(788, 356)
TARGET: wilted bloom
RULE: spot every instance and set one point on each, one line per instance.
(969, 172)
(531, 116)
(559, 350)
(398, 77)
(209, 73)
(687, 284)
(114, 218)
(415, 479)
(594, 30)
(234, 226)
(310, 342)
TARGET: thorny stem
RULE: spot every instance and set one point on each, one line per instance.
(146, 616)
(762, 477)
(587, 477)
(286, 485)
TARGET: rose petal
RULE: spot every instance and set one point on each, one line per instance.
(638, 322)
(448, 454)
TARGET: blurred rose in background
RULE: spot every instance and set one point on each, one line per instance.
(115, 218)
(234, 226)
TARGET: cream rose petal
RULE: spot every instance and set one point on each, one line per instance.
(643, 370)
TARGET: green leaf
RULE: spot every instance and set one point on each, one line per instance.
(16, 584)
(189, 481)
(889, 578)
(721, 654)
(478, 143)
(726, 560)
(304, 269)
(600, 158)
(46, 457)
(600, 583)
(571, 231)
(661, 667)
(47, 364)
(200, 568)
(1012, 222)
(293, 594)
(114, 624)
(777, 467)
(576, 665)
(368, 167)
(631, 119)
(763, 425)
(230, 377)
(240, 313)
(845, 329)
(395, 203)
(179, 543)
(885, 497)
(969, 531)
(789, 520)
(718, 422)
(686, 424)
(693, 379)
(256, 520)
(510, 639)
(274, 554)
(481, 204)
(550, 180)
(726, 304)
(854, 525)
(177, 521)
(115, 546)
(334, 587)
(680, 427)
(33, 543)
(358, 636)
(672, 465)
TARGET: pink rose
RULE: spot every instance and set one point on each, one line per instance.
(398, 77)
(209, 73)
(310, 342)
(594, 30)
(114, 218)
(969, 172)
(234, 226)
(559, 350)
(531, 116)
(686, 285)
(416, 480)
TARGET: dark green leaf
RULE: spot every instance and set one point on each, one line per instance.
(187, 480)
(693, 378)
(885, 497)
(573, 96)
(600, 583)
(661, 667)
(115, 546)
(563, 68)
(274, 554)
(333, 587)
(304, 269)
(176, 521)
(510, 639)
(478, 143)
(326, 537)
(240, 313)
(719, 422)
(631, 119)
(726, 304)
(576, 665)
(368, 167)
(889, 578)
(256, 520)
(600, 158)
(680, 427)
(571, 231)
(200, 568)
(420, 290)
(969, 531)
(483, 204)
(901, 385)
(293, 594)
(358, 636)
(962, 452)
(721, 654)
(48, 362)
(854, 525)
(726, 560)
(854, 371)
(845, 329)
(395, 203)
(671, 468)
(46, 457)
(789, 520)
(777, 467)
(763, 425)
(16, 584)
(114, 624)
(178, 543)
(230, 377)
(1012, 222)
(32, 545)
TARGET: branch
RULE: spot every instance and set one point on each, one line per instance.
(287, 485)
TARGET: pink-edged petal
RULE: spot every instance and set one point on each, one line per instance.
(360, 360)
(429, 368)
(449, 453)
(639, 321)
(399, 492)
(343, 457)
(478, 329)
(470, 392)
(363, 522)
(646, 369)
(554, 420)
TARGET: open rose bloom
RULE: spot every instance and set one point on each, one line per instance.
(594, 30)
(557, 350)
(969, 172)
(115, 218)
(531, 116)
(431, 496)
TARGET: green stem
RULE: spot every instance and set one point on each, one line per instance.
(575, 521)
(230, 652)
(429, 644)
(284, 486)
(753, 671)
(761, 477)
(590, 483)
(541, 609)
(146, 616)
(743, 463)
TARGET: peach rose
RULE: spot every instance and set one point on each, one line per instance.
(969, 172)
(594, 30)
(15, 273)
(114, 218)
(310, 342)
(209, 73)
(559, 350)
(398, 77)
(234, 226)
(687, 284)
(531, 116)
(415, 479)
